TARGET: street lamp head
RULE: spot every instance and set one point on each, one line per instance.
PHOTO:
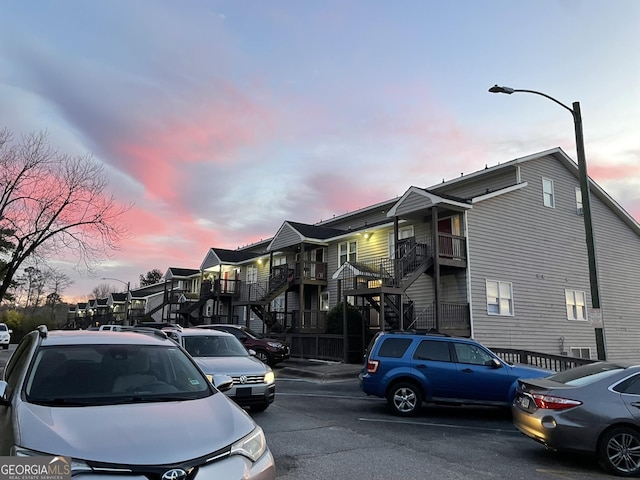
(499, 89)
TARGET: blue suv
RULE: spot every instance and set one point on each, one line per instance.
(408, 368)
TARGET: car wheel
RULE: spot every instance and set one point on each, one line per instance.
(404, 399)
(619, 451)
(261, 407)
(262, 356)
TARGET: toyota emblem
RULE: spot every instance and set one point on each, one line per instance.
(175, 474)
(243, 379)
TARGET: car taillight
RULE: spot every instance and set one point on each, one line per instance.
(372, 366)
(550, 402)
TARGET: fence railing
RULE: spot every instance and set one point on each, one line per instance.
(331, 347)
(453, 316)
(322, 347)
(537, 359)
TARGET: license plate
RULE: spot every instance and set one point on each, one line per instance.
(243, 392)
(523, 401)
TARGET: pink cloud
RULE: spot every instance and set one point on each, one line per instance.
(601, 172)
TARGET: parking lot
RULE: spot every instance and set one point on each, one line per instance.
(330, 430)
(320, 429)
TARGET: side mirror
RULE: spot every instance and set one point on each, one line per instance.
(252, 352)
(222, 382)
(10, 331)
(3, 393)
(495, 363)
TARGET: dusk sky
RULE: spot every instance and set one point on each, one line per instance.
(220, 120)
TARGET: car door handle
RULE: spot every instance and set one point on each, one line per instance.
(422, 366)
(467, 370)
(635, 404)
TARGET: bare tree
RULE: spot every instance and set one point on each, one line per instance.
(52, 203)
(103, 290)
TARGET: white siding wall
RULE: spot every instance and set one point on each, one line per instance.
(542, 251)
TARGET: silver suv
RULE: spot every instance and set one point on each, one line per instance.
(125, 403)
(221, 353)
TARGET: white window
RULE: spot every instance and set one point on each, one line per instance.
(403, 232)
(581, 352)
(324, 301)
(547, 193)
(279, 261)
(347, 252)
(576, 304)
(252, 274)
(578, 201)
(499, 298)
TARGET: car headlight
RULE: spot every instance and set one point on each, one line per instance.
(77, 466)
(275, 344)
(252, 446)
(269, 377)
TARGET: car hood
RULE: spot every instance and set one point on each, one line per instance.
(274, 340)
(527, 371)
(231, 365)
(141, 433)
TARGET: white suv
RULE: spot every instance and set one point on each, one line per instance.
(220, 353)
(5, 335)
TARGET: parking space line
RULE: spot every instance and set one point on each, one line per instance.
(432, 424)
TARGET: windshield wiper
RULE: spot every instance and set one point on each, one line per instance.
(65, 402)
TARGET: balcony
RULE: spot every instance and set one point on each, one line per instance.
(455, 319)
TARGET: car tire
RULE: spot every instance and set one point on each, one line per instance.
(404, 399)
(260, 407)
(619, 451)
(263, 356)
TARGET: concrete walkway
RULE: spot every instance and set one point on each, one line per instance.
(317, 369)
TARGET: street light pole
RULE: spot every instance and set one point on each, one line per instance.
(126, 298)
(596, 312)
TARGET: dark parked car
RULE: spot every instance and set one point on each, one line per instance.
(408, 368)
(593, 408)
(269, 350)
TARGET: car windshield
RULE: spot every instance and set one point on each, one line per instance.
(214, 346)
(585, 374)
(251, 333)
(3, 328)
(110, 374)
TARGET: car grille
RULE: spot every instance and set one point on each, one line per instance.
(155, 472)
(249, 379)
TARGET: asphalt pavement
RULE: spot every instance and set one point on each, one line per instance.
(319, 370)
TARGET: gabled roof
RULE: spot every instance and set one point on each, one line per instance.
(119, 297)
(293, 233)
(316, 231)
(175, 272)
(223, 256)
(420, 198)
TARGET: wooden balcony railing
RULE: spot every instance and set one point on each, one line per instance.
(454, 317)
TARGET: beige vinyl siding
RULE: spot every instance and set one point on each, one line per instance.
(541, 251)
